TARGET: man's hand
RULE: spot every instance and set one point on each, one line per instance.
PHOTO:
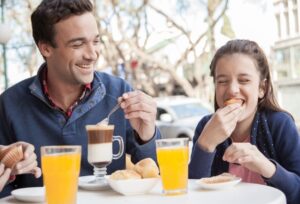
(4, 176)
(29, 163)
(141, 110)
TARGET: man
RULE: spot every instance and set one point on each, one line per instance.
(53, 107)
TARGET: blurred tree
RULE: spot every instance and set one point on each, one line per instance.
(163, 47)
(21, 46)
(130, 30)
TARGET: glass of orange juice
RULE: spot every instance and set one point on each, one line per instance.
(172, 156)
(61, 167)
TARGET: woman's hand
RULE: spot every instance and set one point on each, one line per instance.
(219, 127)
(250, 157)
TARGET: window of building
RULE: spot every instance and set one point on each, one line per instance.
(289, 99)
(282, 62)
(287, 23)
(297, 60)
(295, 12)
(278, 25)
(295, 2)
(285, 2)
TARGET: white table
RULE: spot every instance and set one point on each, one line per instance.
(245, 193)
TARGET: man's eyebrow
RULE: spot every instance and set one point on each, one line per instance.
(221, 75)
(79, 39)
(74, 40)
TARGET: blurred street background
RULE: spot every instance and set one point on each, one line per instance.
(164, 47)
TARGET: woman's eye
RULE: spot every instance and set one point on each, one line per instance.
(244, 81)
(222, 81)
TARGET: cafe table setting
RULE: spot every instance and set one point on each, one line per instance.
(245, 193)
(144, 183)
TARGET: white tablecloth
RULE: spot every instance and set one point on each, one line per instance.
(244, 193)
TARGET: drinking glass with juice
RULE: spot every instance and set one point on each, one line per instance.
(61, 167)
(172, 156)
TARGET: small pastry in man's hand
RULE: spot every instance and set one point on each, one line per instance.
(10, 156)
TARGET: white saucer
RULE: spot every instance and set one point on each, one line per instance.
(218, 186)
(86, 182)
(32, 194)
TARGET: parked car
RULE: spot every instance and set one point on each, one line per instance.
(178, 116)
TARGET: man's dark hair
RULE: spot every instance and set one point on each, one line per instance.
(50, 12)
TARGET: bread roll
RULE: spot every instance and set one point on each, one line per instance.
(125, 174)
(129, 164)
(147, 168)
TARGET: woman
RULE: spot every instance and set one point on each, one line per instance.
(253, 137)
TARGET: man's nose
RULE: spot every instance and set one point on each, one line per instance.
(92, 52)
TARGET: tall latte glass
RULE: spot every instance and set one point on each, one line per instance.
(61, 167)
(172, 156)
(100, 149)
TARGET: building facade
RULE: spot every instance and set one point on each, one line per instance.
(286, 60)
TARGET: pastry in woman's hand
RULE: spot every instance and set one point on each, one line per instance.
(232, 101)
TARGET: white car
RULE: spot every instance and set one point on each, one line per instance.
(178, 116)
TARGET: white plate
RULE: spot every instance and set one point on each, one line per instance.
(87, 183)
(132, 186)
(32, 194)
(217, 186)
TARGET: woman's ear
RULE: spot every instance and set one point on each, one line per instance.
(262, 88)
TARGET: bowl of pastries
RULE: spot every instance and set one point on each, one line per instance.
(140, 179)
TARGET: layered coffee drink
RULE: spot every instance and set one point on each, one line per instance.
(100, 144)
